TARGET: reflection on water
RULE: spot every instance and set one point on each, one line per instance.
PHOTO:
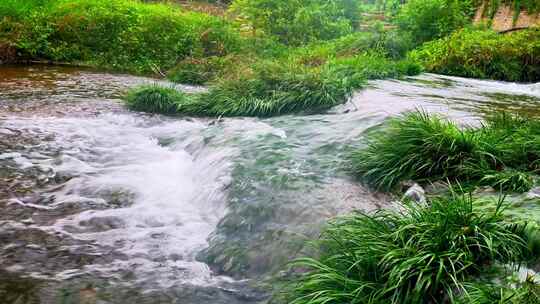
(102, 205)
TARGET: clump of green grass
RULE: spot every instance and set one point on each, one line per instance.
(424, 255)
(429, 149)
(156, 99)
(272, 89)
(275, 89)
(502, 153)
(484, 54)
(509, 180)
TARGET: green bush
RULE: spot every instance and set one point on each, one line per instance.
(17, 9)
(430, 19)
(296, 22)
(121, 34)
(424, 255)
(502, 153)
(484, 54)
(389, 44)
(509, 180)
(374, 66)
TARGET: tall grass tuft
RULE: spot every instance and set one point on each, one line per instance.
(429, 148)
(503, 153)
(424, 255)
(272, 89)
(276, 88)
(155, 99)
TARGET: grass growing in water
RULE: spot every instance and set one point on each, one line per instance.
(156, 99)
(272, 90)
(502, 153)
(424, 255)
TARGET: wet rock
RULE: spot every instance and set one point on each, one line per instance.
(486, 190)
(534, 193)
(416, 194)
(28, 221)
(99, 224)
(437, 187)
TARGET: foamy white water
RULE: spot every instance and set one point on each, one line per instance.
(176, 195)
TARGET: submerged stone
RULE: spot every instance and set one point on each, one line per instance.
(415, 194)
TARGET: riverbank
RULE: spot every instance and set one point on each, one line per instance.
(263, 72)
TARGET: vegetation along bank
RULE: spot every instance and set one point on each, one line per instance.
(265, 57)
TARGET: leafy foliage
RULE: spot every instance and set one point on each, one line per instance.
(424, 255)
(430, 19)
(120, 34)
(500, 154)
(299, 21)
(484, 54)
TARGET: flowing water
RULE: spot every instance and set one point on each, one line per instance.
(102, 205)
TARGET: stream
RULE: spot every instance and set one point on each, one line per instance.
(103, 205)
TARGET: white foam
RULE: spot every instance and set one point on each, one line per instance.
(178, 196)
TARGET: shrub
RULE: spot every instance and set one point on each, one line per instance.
(299, 21)
(424, 255)
(509, 180)
(502, 153)
(374, 66)
(122, 34)
(430, 19)
(484, 54)
(17, 9)
(514, 139)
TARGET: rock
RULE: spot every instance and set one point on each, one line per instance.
(437, 187)
(485, 190)
(534, 193)
(28, 221)
(416, 194)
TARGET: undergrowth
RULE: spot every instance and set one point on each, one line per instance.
(484, 54)
(121, 34)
